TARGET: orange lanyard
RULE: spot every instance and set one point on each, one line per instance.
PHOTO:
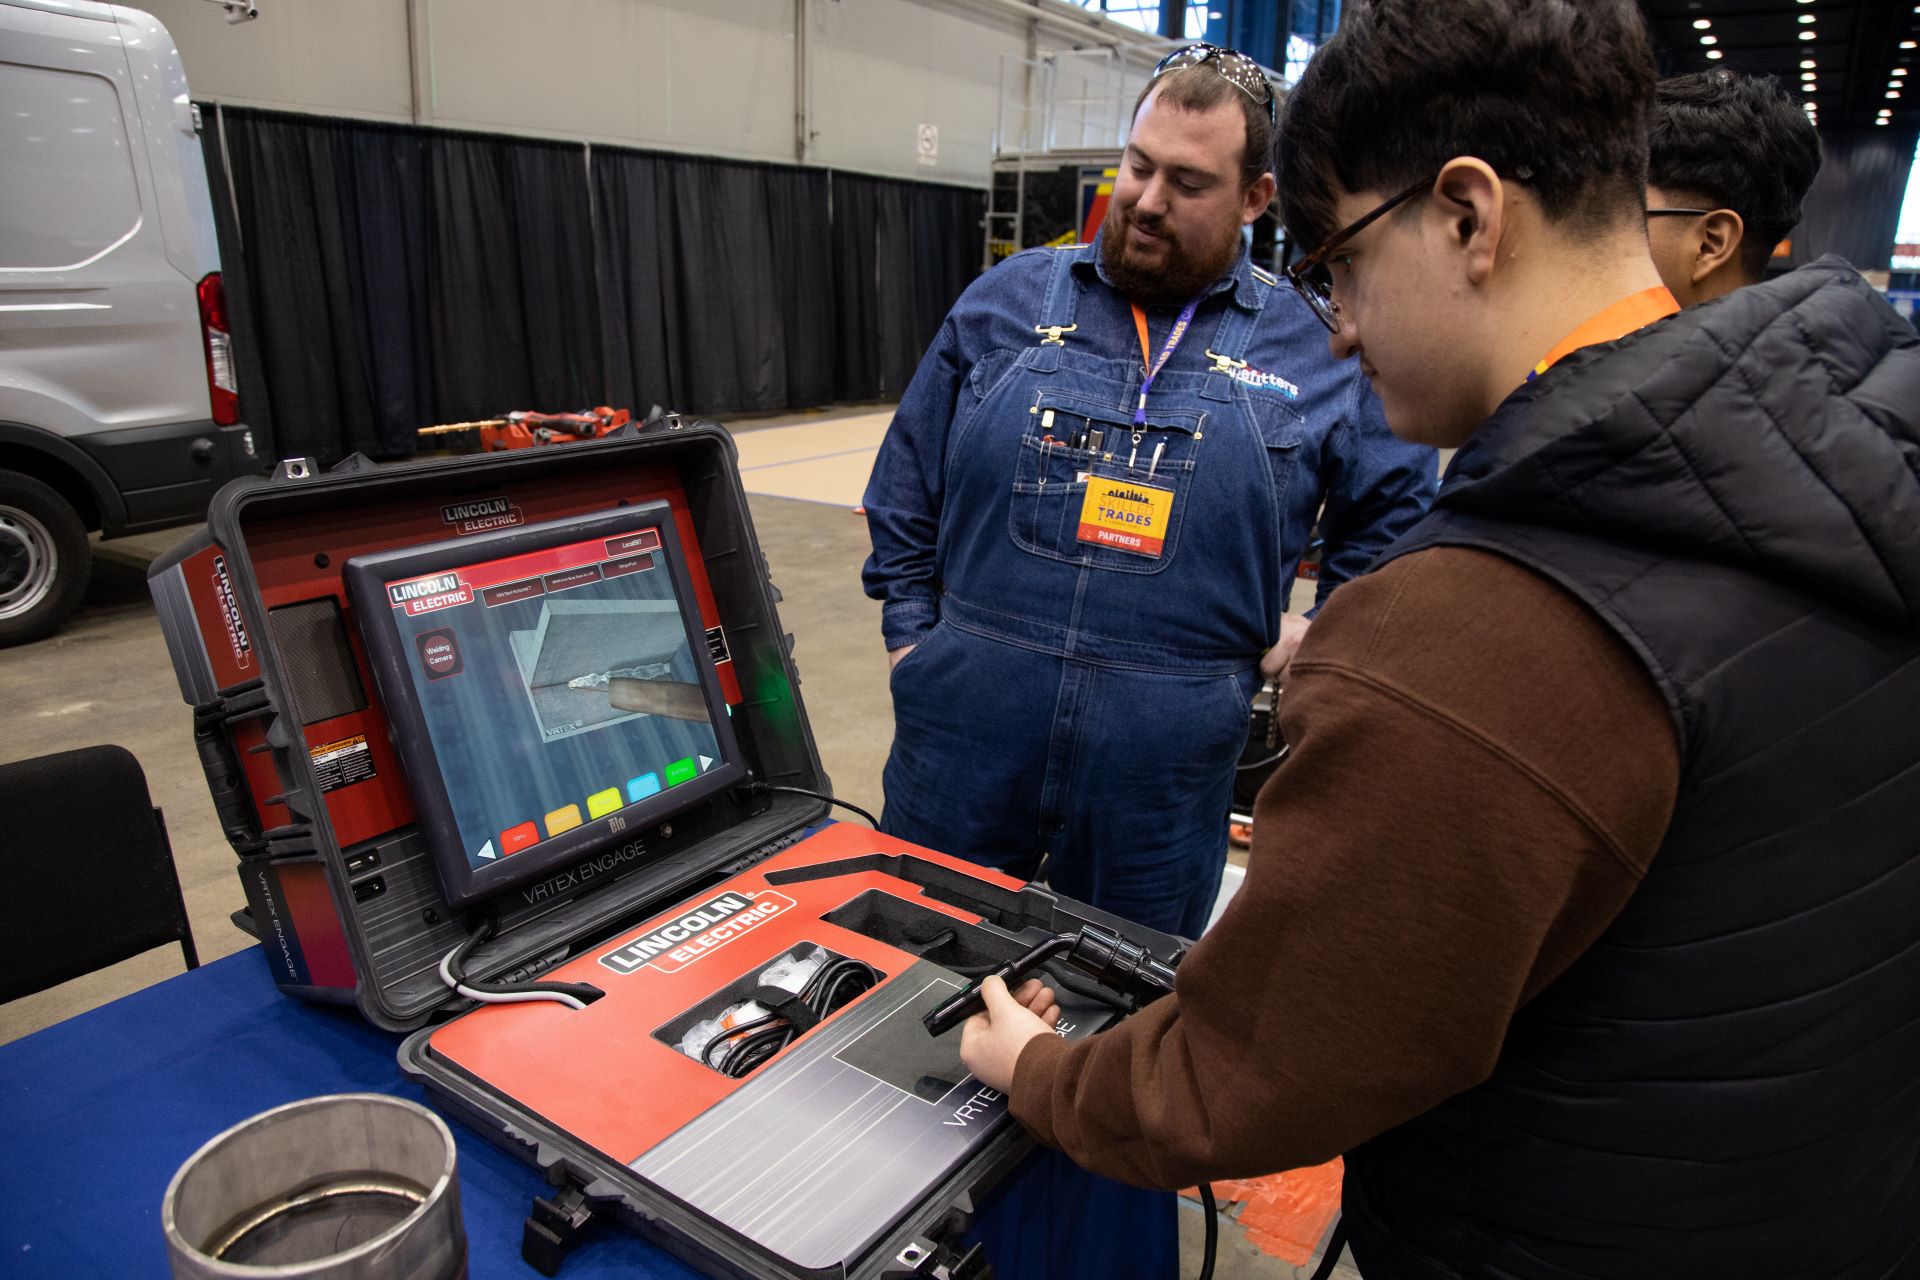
(1149, 367)
(1617, 321)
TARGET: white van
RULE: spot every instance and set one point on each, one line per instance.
(117, 392)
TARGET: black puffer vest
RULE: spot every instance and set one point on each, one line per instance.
(1728, 1083)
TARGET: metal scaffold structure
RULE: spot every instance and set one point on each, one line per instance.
(1062, 123)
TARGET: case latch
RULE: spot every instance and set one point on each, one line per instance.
(922, 1259)
(553, 1229)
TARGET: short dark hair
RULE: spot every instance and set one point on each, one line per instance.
(1201, 88)
(1735, 142)
(1553, 94)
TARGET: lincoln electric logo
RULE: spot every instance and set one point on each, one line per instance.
(230, 613)
(480, 516)
(707, 927)
(423, 595)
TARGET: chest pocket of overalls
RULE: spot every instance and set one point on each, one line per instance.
(1050, 478)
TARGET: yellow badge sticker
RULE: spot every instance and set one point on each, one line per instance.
(1125, 516)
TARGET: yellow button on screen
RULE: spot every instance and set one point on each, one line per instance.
(602, 803)
(564, 819)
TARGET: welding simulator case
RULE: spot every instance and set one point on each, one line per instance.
(349, 907)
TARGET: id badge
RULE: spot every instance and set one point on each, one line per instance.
(1125, 515)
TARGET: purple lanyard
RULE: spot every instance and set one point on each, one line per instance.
(1172, 344)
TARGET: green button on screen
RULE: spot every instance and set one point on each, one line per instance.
(682, 771)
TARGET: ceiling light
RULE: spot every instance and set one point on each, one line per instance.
(1883, 122)
(1893, 93)
(1808, 64)
(1709, 40)
(1713, 54)
(1807, 35)
(1805, 18)
(1701, 24)
(1908, 44)
(1899, 71)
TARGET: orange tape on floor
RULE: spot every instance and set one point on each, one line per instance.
(1285, 1215)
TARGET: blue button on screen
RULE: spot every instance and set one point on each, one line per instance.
(643, 786)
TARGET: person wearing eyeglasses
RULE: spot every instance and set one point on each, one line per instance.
(1584, 916)
(1086, 518)
(1087, 514)
(1730, 158)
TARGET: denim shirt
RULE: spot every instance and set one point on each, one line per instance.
(1322, 423)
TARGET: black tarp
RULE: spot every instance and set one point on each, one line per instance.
(385, 277)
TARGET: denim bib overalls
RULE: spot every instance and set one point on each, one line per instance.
(1078, 700)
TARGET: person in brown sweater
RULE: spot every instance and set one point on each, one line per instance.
(1584, 916)
(1480, 774)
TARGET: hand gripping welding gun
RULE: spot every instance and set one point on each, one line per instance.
(1105, 957)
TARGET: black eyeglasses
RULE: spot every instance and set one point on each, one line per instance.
(1236, 68)
(1309, 276)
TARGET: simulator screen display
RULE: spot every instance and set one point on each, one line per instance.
(563, 682)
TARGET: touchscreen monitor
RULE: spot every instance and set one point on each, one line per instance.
(550, 690)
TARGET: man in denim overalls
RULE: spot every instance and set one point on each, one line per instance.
(1086, 518)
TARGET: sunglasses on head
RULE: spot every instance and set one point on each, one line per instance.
(1236, 68)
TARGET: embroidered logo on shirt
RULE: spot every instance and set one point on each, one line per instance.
(1271, 381)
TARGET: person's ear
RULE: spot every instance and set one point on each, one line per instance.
(1256, 198)
(1473, 204)
(1717, 242)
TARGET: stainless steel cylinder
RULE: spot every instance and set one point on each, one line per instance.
(352, 1186)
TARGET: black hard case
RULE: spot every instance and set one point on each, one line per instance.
(394, 941)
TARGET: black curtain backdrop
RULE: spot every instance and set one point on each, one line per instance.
(902, 252)
(383, 278)
(1853, 207)
(713, 281)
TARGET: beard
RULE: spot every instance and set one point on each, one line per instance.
(1175, 276)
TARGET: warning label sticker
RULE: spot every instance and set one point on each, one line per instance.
(342, 763)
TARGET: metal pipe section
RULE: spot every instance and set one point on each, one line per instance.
(355, 1186)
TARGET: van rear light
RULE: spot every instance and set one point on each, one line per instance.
(222, 386)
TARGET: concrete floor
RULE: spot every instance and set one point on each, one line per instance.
(106, 678)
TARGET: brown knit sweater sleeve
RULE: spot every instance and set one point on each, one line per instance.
(1481, 772)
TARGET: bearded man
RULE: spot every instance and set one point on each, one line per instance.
(1088, 512)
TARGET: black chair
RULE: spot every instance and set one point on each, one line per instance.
(89, 874)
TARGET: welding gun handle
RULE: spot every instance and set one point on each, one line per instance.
(956, 1009)
(963, 1004)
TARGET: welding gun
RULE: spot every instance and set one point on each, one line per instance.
(523, 427)
(1104, 956)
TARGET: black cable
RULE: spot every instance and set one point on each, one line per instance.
(827, 989)
(457, 965)
(733, 1036)
(819, 795)
(1275, 758)
(750, 1052)
(1207, 1250)
(1336, 1242)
